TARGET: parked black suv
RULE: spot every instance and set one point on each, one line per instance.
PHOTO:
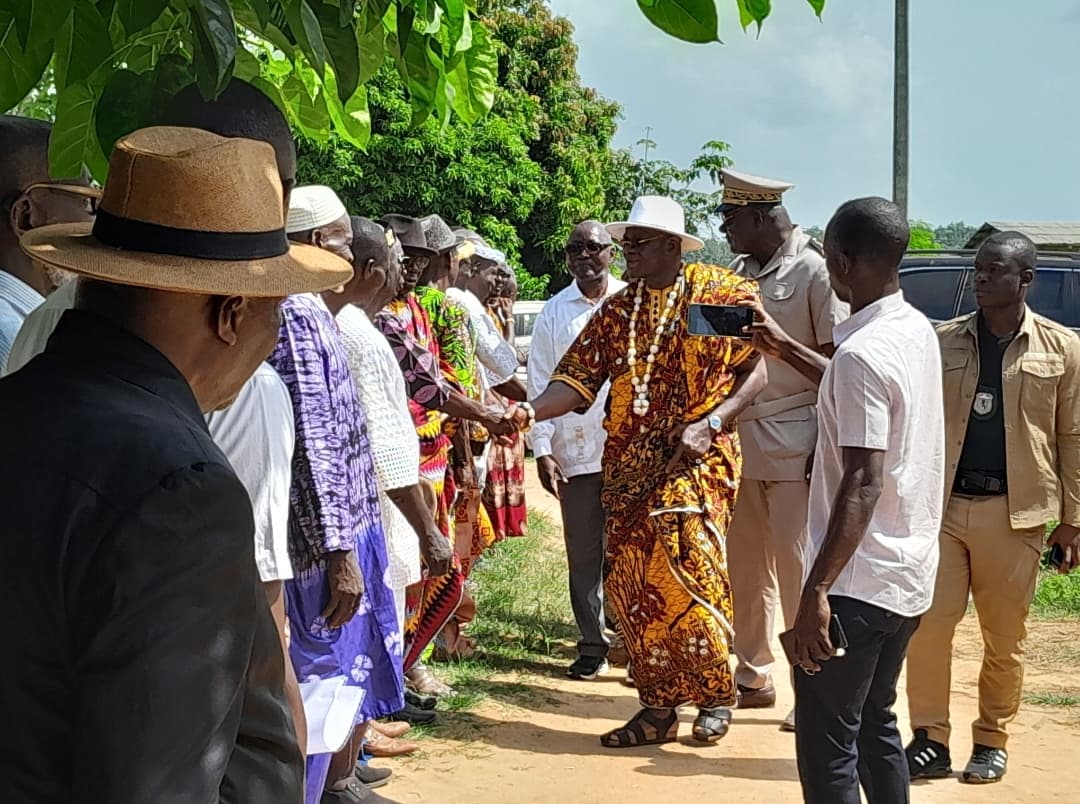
(938, 283)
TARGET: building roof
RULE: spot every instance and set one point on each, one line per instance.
(1062, 234)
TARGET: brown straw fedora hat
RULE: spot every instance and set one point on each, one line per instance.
(189, 211)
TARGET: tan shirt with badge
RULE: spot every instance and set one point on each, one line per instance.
(1040, 389)
(778, 432)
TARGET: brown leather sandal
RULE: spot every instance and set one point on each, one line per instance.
(665, 730)
(712, 725)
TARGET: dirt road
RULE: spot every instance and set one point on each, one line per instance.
(543, 747)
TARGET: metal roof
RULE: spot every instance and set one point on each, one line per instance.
(1043, 233)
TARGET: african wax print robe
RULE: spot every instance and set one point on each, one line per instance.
(666, 573)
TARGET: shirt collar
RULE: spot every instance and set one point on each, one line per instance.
(883, 306)
(90, 341)
(574, 290)
(1027, 326)
(19, 294)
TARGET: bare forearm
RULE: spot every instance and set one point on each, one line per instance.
(852, 509)
(748, 384)
(410, 501)
(459, 406)
(276, 599)
(809, 363)
(557, 400)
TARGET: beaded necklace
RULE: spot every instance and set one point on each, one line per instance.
(667, 320)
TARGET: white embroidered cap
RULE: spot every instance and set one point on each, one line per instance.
(313, 206)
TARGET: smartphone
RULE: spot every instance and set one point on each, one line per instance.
(837, 637)
(719, 320)
(1054, 557)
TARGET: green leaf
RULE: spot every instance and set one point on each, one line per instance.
(272, 91)
(247, 65)
(818, 6)
(74, 142)
(262, 11)
(310, 114)
(352, 120)
(128, 101)
(37, 21)
(346, 12)
(423, 78)
(171, 74)
(215, 45)
(474, 78)
(457, 23)
(751, 11)
(689, 20)
(374, 12)
(304, 24)
(343, 49)
(20, 68)
(372, 47)
(137, 15)
(82, 45)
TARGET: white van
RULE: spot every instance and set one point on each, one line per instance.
(525, 313)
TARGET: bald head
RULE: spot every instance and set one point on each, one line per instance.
(589, 255)
(240, 111)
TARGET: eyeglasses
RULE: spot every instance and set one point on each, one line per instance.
(419, 262)
(638, 242)
(592, 248)
(89, 196)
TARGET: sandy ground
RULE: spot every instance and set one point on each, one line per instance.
(544, 748)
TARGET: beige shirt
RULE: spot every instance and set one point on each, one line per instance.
(779, 430)
(1040, 383)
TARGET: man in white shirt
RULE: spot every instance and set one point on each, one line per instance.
(569, 449)
(875, 511)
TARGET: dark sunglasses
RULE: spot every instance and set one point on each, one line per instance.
(592, 248)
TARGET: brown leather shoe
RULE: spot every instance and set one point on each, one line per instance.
(763, 698)
(392, 728)
(380, 746)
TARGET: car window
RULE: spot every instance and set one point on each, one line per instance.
(523, 324)
(931, 291)
(1052, 294)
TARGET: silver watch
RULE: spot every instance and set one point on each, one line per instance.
(716, 422)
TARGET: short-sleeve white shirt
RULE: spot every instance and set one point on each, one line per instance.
(882, 391)
(395, 448)
(257, 435)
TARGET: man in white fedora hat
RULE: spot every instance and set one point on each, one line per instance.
(164, 679)
(671, 468)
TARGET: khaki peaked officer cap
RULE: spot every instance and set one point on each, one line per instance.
(189, 211)
(742, 189)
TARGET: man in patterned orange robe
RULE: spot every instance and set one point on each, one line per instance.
(671, 468)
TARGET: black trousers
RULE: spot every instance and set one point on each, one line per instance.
(845, 729)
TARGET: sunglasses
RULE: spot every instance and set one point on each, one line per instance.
(419, 262)
(592, 248)
(638, 242)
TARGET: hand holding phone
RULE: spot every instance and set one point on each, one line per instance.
(1054, 557)
(719, 321)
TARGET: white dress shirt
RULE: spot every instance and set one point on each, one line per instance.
(17, 301)
(576, 441)
(497, 358)
(882, 391)
(257, 435)
(395, 448)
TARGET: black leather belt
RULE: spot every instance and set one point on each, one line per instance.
(979, 484)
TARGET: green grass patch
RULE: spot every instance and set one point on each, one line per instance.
(1057, 595)
(522, 626)
(1063, 700)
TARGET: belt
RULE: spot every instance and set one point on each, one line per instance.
(763, 410)
(979, 484)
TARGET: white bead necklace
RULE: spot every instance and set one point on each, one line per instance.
(641, 384)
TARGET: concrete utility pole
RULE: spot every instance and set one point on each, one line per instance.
(900, 108)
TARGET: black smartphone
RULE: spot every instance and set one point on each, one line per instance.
(719, 320)
(837, 636)
(1054, 557)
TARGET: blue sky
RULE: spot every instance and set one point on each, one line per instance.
(995, 104)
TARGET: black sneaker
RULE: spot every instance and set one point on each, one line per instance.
(926, 758)
(415, 716)
(372, 777)
(586, 668)
(986, 766)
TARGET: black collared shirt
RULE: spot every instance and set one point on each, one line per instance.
(983, 453)
(142, 663)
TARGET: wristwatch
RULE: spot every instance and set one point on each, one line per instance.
(716, 422)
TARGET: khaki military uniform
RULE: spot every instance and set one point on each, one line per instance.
(778, 433)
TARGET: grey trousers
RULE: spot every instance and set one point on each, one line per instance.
(583, 530)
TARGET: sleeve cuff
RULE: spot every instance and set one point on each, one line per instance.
(541, 447)
(586, 394)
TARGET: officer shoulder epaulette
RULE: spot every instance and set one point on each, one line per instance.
(817, 246)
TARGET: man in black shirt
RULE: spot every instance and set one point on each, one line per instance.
(145, 665)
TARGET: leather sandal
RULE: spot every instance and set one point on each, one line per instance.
(712, 725)
(665, 730)
(391, 728)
